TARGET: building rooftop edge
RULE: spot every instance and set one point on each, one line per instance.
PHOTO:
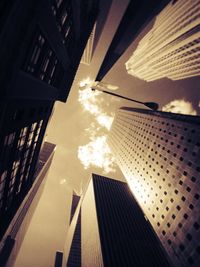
(168, 115)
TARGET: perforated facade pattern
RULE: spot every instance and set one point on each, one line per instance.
(87, 54)
(159, 154)
(172, 47)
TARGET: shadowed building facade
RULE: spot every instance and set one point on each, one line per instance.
(41, 46)
(159, 155)
(109, 229)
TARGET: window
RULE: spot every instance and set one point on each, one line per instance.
(182, 247)
(189, 237)
(196, 226)
(9, 139)
(2, 183)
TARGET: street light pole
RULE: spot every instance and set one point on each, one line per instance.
(151, 105)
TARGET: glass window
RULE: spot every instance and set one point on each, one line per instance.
(2, 181)
(9, 139)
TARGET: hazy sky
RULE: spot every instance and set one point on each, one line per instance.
(75, 130)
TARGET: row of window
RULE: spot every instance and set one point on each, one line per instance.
(41, 61)
(62, 11)
(16, 159)
(163, 177)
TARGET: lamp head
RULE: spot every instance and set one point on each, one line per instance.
(152, 105)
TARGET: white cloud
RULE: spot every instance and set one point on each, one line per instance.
(180, 106)
(105, 120)
(89, 100)
(103, 86)
(63, 181)
(97, 153)
(86, 82)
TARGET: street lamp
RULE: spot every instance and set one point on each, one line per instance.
(151, 105)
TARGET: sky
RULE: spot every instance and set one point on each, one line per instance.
(80, 127)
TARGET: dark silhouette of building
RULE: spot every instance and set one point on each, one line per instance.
(14, 235)
(159, 155)
(41, 46)
(75, 250)
(137, 15)
(111, 229)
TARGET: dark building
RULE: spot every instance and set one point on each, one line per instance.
(74, 259)
(111, 229)
(41, 46)
(14, 235)
(159, 155)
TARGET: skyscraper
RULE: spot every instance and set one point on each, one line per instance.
(137, 15)
(104, 8)
(109, 229)
(88, 51)
(158, 154)
(41, 46)
(14, 235)
(171, 48)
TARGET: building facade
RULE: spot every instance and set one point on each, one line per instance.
(111, 230)
(171, 48)
(41, 47)
(24, 209)
(104, 9)
(158, 153)
(137, 15)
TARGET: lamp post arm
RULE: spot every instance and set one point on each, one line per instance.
(127, 98)
(151, 105)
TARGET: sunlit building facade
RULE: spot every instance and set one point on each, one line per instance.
(41, 47)
(109, 229)
(159, 155)
(104, 9)
(88, 51)
(172, 47)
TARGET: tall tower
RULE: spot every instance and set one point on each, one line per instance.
(138, 14)
(109, 229)
(171, 48)
(159, 155)
(41, 47)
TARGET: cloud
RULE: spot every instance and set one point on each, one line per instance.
(63, 181)
(180, 106)
(96, 153)
(105, 120)
(91, 102)
(104, 86)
